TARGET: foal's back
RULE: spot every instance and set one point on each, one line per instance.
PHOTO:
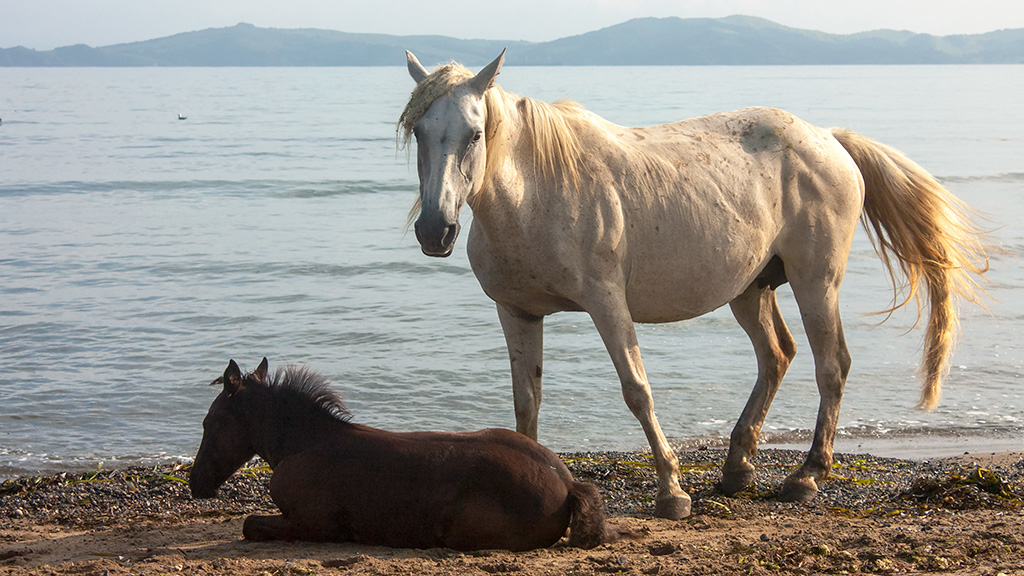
(488, 489)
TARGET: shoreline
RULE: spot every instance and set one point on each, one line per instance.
(957, 515)
(917, 446)
(908, 445)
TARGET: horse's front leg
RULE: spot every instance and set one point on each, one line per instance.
(615, 324)
(524, 336)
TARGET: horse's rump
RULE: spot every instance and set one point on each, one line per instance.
(587, 528)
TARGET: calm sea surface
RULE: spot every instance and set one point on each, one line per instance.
(139, 252)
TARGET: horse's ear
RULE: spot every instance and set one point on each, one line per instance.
(485, 79)
(261, 371)
(416, 70)
(232, 378)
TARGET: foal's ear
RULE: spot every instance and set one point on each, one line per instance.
(416, 70)
(485, 79)
(232, 378)
(261, 371)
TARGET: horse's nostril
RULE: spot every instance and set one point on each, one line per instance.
(449, 235)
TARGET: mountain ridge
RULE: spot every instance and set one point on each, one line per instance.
(733, 40)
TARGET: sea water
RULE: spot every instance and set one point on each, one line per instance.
(139, 252)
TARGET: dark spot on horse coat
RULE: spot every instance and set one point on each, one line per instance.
(759, 138)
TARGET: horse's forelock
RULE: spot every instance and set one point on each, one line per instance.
(440, 82)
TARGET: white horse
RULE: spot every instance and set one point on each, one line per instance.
(665, 223)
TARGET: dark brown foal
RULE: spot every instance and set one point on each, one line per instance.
(338, 481)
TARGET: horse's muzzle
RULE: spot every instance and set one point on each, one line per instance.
(437, 240)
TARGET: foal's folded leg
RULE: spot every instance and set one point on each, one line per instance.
(263, 528)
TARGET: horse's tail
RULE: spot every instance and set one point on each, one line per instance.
(907, 213)
(587, 526)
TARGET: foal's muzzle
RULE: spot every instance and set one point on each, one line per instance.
(202, 486)
(437, 239)
(203, 492)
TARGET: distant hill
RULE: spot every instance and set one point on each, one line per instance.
(247, 45)
(642, 41)
(745, 40)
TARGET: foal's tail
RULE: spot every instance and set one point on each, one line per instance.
(909, 214)
(587, 528)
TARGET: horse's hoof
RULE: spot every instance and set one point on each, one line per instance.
(737, 478)
(798, 490)
(672, 507)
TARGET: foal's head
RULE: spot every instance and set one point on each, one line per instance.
(227, 438)
(256, 414)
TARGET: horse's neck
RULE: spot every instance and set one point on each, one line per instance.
(517, 192)
(280, 436)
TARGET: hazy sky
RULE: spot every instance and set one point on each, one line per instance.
(46, 24)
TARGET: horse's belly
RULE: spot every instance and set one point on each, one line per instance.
(683, 271)
(665, 280)
(671, 298)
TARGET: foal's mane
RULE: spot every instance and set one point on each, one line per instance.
(300, 386)
(551, 127)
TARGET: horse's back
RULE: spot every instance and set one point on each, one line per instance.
(761, 157)
(727, 192)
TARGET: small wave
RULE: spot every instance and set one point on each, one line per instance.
(343, 188)
(277, 188)
(1005, 178)
(19, 464)
(230, 271)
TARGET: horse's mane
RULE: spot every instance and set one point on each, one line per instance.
(552, 128)
(298, 385)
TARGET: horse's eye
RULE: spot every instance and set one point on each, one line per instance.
(477, 136)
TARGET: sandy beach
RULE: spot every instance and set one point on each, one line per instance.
(953, 515)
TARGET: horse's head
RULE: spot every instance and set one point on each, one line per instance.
(227, 435)
(447, 115)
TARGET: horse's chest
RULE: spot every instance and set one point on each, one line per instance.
(532, 276)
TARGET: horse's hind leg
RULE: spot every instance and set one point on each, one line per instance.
(757, 311)
(819, 306)
(614, 323)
